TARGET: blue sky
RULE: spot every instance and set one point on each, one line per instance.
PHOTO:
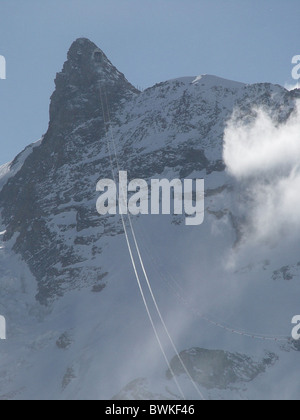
(148, 40)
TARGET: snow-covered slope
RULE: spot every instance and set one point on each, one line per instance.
(77, 326)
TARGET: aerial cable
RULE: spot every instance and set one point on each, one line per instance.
(147, 278)
(135, 268)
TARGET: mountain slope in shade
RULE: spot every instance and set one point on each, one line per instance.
(77, 328)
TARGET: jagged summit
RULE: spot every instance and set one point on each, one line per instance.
(77, 94)
(85, 59)
(81, 45)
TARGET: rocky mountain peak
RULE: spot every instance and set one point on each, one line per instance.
(86, 64)
(77, 94)
(81, 46)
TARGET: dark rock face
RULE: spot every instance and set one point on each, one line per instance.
(220, 369)
(138, 390)
(77, 95)
(48, 207)
(64, 341)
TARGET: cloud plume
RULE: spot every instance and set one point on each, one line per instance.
(264, 157)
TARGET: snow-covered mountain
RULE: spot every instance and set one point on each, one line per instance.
(76, 324)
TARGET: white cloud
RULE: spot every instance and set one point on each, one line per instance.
(265, 157)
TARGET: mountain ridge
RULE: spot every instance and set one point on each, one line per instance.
(170, 116)
(66, 279)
